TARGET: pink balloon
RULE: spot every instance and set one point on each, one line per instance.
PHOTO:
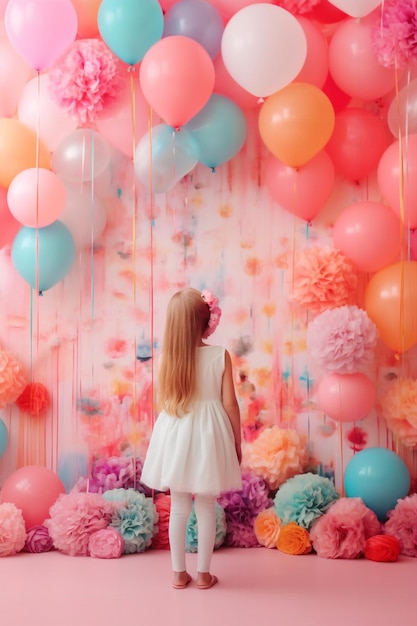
(177, 78)
(228, 8)
(303, 190)
(316, 65)
(36, 197)
(358, 141)
(397, 175)
(37, 110)
(41, 30)
(353, 63)
(14, 74)
(369, 234)
(225, 85)
(8, 225)
(346, 397)
(33, 490)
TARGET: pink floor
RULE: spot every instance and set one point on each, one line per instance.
(258, 587)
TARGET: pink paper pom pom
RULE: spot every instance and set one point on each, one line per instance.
(85, 80)
(276, 455)
(76, 516)
(394, 35)
(398, 406)
(106, 543)
(12, 378)
(402, 524)
(12, 529)
(341, 533)
(323, 279)
(342, 340)
(298, 7)
(160, 541)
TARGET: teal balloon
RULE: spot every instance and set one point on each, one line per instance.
(4, 438)
(44, 260)
(378, 476)
(130, 27)
(220, 129)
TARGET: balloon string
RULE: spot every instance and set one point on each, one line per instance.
(93, 283)
(402, 220)
(342, 462)
(152, 294)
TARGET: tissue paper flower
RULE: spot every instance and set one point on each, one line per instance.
(160, 541)
(74, 517)
(394, 35)
(342, 339)
(12, 378)
(114, 472)
(267, 526)
(382, 548)
(398, 407)
(34, 399)
(402, 524)
(192, 529)
(38, 540)
(135, 517)
(304, 498)
(342, 532)
(294, 539)
(276, 455)
(106, 543)
(12, 529)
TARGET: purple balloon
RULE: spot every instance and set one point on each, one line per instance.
(197, 20)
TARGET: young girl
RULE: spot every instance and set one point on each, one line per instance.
(195, 448)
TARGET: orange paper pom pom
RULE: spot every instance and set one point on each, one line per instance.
(267, 526)
(382, 548)
(12, 378)
(293, 539)
(34, 399)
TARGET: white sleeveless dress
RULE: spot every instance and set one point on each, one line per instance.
(196, 453)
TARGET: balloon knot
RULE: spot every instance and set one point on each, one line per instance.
(131, 68)
(40, 293)
(396, 356)
(213, 170)
(177, 129)
(261, 100)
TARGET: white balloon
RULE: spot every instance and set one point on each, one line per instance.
(356, 8)
(83, 155)
(263, 48)
(85, 216)
(402, 112)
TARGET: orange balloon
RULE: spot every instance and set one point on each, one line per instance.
(296, 122)
(18, 147)
(391, 303)
(87, 11)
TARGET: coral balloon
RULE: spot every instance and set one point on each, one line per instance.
(369, 234)
(358, 141)
(9, 226)
(354, 65)
(36, 197)
(14, 74)
(316, 65)
(229, 7)
(40, 30)
(326, 13)
(402, 112)
(87, 14)
(346, 397)
(255, 39)
(177, 78)
(296, 123)
(303, 190)
(337, 97)
(33, 490)
(18, 150)
(397, 174)
(391, 303)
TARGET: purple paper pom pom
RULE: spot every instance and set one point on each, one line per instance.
(38, 540)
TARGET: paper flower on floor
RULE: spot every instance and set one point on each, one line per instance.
(114, 472)
(160, 541)
(34, 399)
(74, 517)
(85, 80)
(398, 406)
(402, 524)
(293, 539)
(394, 35)
(192, 529)
(342, 340)
(12, 529)
(304, 498)
(298, 7)
(241, 507)
(135, 517)
(267, 526)
(12, 378)
(323, 279)
(382, 548)
(276, 455)
(38, 540)
(342, 532)
(106, 543)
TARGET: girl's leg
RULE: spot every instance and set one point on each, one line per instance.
(180, 510)
(205, 510)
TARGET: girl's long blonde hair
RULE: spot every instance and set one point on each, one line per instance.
(186, 320)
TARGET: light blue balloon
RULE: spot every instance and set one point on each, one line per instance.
(130, 27)
(220, 129)
(50, 255)
(4, 438)
(378, 476)
(198, 20)
(71, 467)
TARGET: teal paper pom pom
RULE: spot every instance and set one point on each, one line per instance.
(304, 498)
(221, 526)
(134, 516)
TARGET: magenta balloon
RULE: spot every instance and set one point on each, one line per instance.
(369, 234)
(346, 397)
